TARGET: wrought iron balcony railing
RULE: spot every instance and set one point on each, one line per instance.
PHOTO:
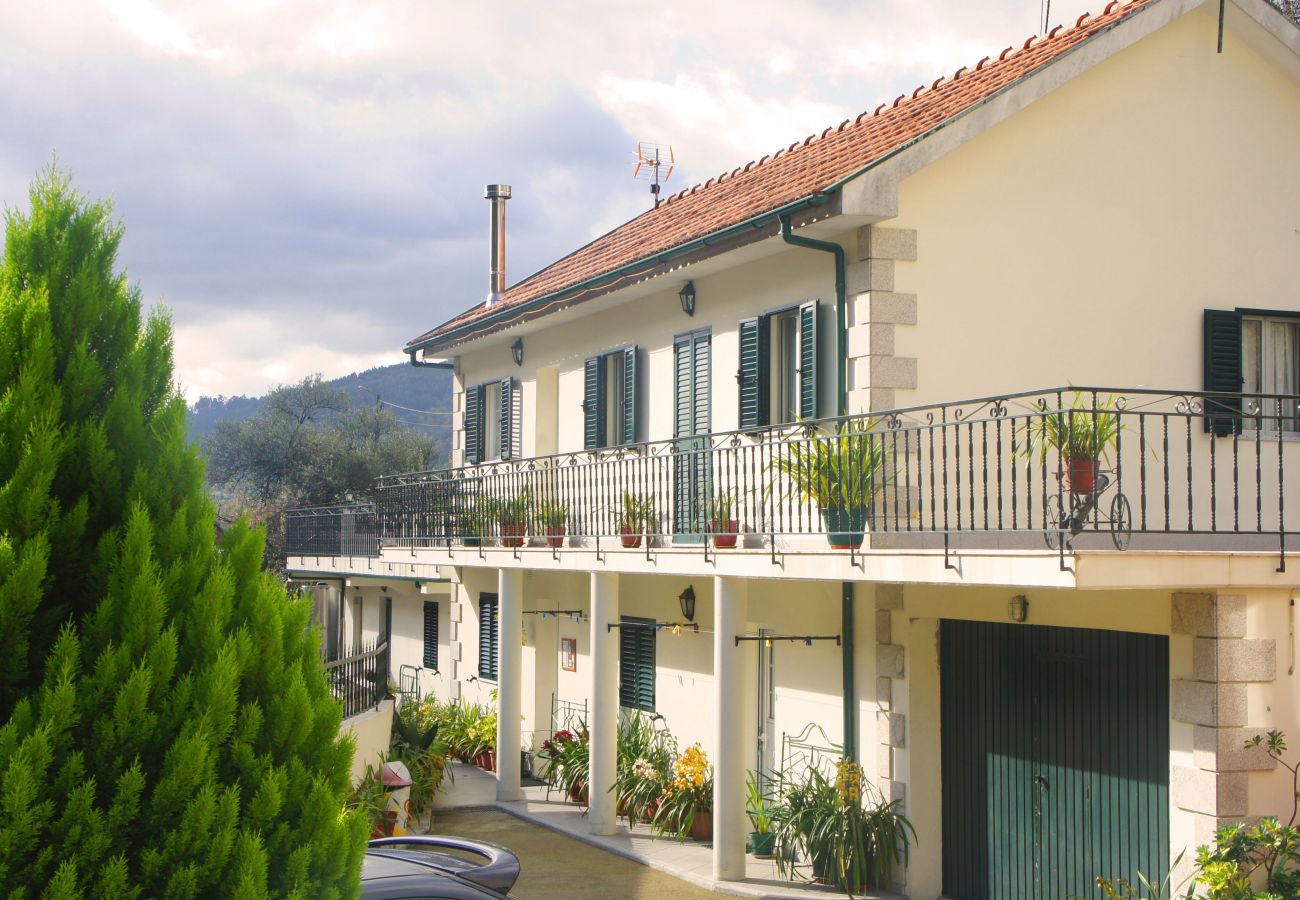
(350, 530)
(1082, 467)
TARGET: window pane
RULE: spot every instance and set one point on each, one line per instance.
(615, 401)
(784, 368)
(492, 421)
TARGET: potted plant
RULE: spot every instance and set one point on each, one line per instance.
(722, 522)
(686, 807)
(512, 516)
(645, 759)
(1084, 435)
(762, 840)
(477, 521)
(568, 763)
(840, 472)
(847, 843)
(636, 519)
(370, 797)
(552, 517)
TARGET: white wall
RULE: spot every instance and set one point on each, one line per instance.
(1080, 240)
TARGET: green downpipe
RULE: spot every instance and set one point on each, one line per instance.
(848, 649)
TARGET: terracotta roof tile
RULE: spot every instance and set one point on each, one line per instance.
(801, 170)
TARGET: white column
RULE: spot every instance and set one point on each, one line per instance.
(602, 817)
(730, 597)
(510, 610)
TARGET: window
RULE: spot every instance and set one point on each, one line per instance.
(609, 399)
(1252, 352)
(487, 637)
(431, 634)
(491, 421)
(1270, 364)
(778, 367)
(636, 663)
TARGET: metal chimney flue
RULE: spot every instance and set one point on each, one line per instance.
(497, 195)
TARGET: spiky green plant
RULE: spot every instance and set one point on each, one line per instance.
(843, 469)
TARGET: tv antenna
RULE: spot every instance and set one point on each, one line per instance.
(654, 163)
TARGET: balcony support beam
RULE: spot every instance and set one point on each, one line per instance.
(602, 816)
(510, 626)
(731, 601)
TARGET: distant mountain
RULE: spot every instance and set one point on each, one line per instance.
(419, 397)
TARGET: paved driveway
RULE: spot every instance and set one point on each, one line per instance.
(555, 867)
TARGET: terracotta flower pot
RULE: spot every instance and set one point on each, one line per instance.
(512, 534)
(1083, 475)
(629, 539)
(724, 533)
(555, 535)
(702, 827)
(487, 761)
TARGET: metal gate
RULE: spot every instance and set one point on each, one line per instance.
(1055, 759)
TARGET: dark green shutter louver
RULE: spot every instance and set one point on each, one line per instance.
(507, 418)
(593, 403)
(1223, 370)
(808, 361)
(682, 379)
(431, 634)
(630, 376)
(752, 374)
(474, 425)
(703, 372)
(487, 636)
(636, 658)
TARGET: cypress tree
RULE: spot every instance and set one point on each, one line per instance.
(168, 729)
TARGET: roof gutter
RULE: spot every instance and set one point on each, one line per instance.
(509, 312)
(425, 364)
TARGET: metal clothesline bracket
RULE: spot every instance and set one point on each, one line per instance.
(555, 612)
(806, 639)
(657, 626)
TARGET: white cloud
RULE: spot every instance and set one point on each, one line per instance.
(302, 180)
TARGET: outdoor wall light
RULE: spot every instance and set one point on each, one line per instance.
(517, 351)
(687, 599)
(687, 296)
(1018, 608)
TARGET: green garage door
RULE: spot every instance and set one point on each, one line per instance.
(1055, 759)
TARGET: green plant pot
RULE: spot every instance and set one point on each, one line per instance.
(845, 528)
(472, 541)
(763, 846)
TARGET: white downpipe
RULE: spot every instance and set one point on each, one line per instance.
(730, 601)
(510, 626)
(603, 814)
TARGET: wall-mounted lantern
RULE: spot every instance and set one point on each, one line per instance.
(1018, 608)
(517, 351)
(687, 296)
(687, 600)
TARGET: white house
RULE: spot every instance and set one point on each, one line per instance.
(1056, 678)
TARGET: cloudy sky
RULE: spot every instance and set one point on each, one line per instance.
(301, 180)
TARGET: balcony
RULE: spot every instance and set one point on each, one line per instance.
(1063, 469)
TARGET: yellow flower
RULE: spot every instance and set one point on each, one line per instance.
(848, 781)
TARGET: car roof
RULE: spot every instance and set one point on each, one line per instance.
(390, 873)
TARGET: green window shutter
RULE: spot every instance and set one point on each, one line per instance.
(631, 376)
(474, 425)
(593, 403)
(636, 658)
(507, 418)
(487, 636)
(753, 375)
(808, 361)
(703, 372)
(1223, 370)
(431, 634)
(682, 393)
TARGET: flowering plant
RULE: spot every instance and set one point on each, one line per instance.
(847, 843)
(569, 762)
(689, 794)
(645, 757)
